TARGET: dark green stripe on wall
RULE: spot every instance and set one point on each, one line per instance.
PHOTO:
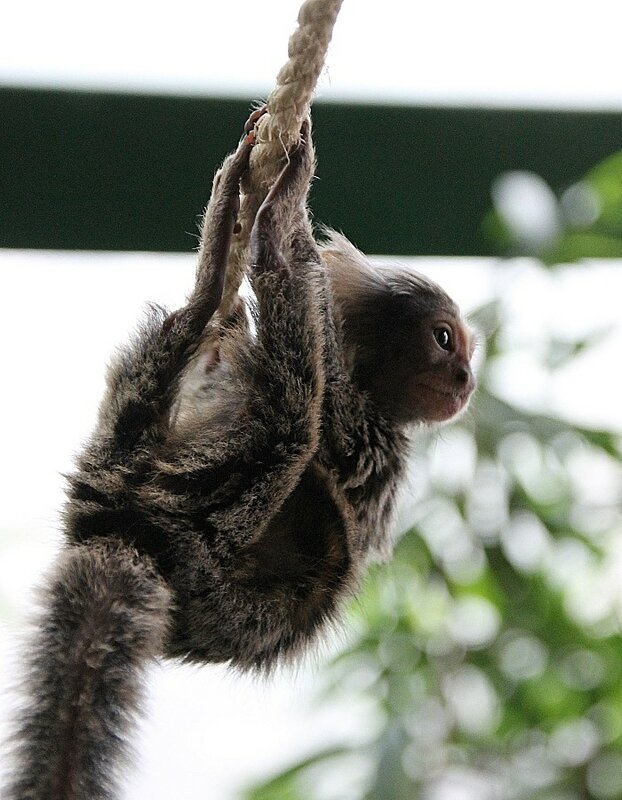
(86, 170)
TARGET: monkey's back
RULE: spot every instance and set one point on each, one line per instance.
(250, 605)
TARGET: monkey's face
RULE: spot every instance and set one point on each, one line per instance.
(421, 371)
(441, 381)
(408, 347)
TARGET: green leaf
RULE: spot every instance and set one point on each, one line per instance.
(285, 786)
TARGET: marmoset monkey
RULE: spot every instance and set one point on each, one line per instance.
(233, 532)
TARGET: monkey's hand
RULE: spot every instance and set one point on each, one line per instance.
(283, 209)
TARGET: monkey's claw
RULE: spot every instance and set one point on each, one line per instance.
(250, 123)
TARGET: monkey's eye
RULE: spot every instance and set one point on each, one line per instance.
(444, 338)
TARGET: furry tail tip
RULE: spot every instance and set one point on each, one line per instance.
(105, 614)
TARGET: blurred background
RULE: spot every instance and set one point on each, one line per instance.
(481, 144)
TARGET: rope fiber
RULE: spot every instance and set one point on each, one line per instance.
(278, 130)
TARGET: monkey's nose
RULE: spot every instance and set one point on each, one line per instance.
(464, 377)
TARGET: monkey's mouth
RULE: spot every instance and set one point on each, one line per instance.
(442, 403)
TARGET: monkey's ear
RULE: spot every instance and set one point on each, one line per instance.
(351, 275)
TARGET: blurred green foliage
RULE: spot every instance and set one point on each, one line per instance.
(487, 657)
(584, 220)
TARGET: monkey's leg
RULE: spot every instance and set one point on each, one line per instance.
(217, 229)
(144, 379)
(219, 222)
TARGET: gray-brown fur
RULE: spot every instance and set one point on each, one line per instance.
(105, 614)
(261, 503)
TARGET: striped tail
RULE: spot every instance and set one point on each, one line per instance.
(106, 613)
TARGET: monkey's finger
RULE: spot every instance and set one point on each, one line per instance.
(239, 160)
(250, 123)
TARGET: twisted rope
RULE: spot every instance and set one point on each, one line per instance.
(287, 106)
